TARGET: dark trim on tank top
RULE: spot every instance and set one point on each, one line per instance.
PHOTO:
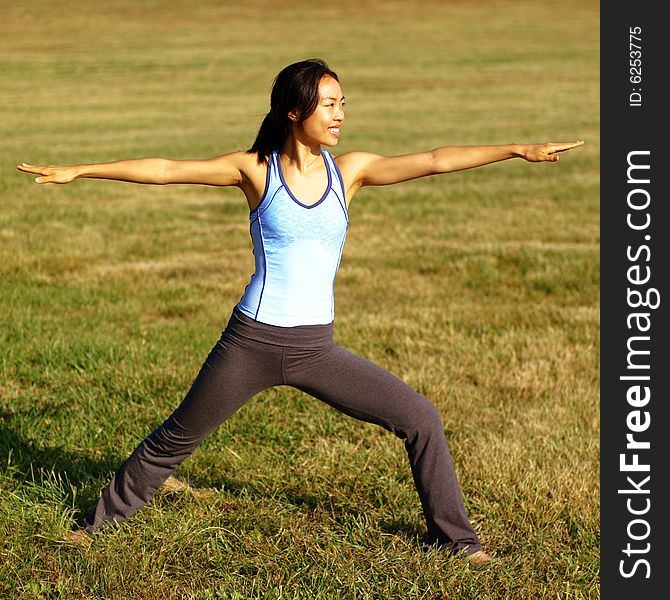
(337, 268)
(265, 265)
(343, 200)
(290, 193)
(265, 191)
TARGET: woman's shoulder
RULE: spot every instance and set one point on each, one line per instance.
(246, 161)
(243, 161)
(354, 157)
(250, 167)
(252, 173)
(352, 163)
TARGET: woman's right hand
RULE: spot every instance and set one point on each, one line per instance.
(50, 174)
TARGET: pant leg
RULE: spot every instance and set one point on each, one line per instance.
(235, 370)
(367, 392)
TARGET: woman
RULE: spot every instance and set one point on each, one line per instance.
(281, 331)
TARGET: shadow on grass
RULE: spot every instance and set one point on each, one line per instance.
(79, 472)
(82, 475)
(344, 512)
(402, 529)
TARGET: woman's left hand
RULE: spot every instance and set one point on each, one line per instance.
(546, 152)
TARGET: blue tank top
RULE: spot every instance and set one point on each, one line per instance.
(297, 251)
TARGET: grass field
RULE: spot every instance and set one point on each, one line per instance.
(480, 289)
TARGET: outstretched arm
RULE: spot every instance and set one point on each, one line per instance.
(374, 169)
(221, 170)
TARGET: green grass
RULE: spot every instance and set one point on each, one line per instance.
(480, 289)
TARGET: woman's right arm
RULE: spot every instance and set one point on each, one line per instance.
(221, 170)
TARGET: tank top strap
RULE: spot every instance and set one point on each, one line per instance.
(273, 184)
(338, 184)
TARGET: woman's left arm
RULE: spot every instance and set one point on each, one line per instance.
(366, 168)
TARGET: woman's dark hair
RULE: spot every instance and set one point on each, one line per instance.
(296, 88)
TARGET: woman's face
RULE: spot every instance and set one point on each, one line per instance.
(323, 125)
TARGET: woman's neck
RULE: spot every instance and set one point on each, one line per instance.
(298, 155)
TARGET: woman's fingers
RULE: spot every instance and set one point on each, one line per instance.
(27, 168)
(48, 174)
(549, 152)
(562, 147)
(33, 169)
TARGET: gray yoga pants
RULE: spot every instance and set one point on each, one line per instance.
(252, 356)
